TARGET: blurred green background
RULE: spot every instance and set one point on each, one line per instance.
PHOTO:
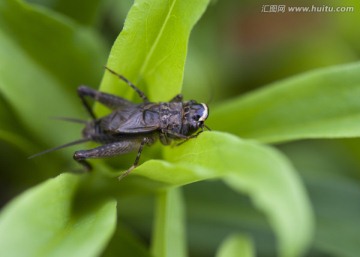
(235, 48)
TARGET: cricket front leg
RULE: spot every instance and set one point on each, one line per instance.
(190, 137)
(180, 136)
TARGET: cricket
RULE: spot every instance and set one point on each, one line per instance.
(130, 126)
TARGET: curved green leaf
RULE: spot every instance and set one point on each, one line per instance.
(151, 49)
(236, 246)
(260, 171)
(43, 222)
(169, 235)
(318, 104)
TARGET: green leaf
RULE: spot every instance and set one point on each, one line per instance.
(82, 12)
(214, 211)
(338, 224)
(236, 246)
(36, 78)
(125, 243)
(16, 140)
(318, 104)
(261, 172)
(43, 222)
(333, 191)
(169, 232)
(151, 49)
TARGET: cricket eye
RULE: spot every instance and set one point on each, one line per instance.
(196, 117)
(199, 113)
(204, 113)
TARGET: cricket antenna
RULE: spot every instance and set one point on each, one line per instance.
(60, 147)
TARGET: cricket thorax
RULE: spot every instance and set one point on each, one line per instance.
(171, 115)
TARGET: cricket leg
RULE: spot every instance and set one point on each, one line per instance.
(164, 139)
(189, 137)
(110, 150)
(87, 166)
(180, 136)
(110, 101)
(178, 98)
(107, 150)
(137, 90)
(136, 162)
(82, 92)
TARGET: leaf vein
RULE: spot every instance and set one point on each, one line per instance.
(157, 39)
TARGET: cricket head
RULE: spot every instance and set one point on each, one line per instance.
(195, 115)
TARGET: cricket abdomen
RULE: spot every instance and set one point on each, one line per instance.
(94, 132)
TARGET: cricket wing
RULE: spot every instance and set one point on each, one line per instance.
(131, 120)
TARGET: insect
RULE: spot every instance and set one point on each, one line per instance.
(131, 126)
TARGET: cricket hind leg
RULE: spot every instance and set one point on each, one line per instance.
(110, 150)
(110, 101)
